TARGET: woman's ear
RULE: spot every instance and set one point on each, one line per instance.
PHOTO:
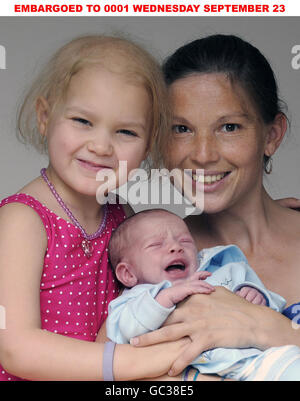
(42, 115)
(125, 275)
(275, 134)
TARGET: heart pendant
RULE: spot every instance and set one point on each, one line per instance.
(87, 248)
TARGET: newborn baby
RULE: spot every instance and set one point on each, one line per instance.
(155, 257)
(156, 245)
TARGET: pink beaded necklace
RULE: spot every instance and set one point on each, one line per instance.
(86, 242)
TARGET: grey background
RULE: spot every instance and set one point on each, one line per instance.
(29, 41)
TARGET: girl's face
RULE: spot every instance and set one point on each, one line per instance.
(216, 128)
(104, 120)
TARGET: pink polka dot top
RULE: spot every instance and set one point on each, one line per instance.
(75, 290)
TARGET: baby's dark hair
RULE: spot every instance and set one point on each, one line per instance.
(120, 239)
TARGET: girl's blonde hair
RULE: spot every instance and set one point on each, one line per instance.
(119, 55)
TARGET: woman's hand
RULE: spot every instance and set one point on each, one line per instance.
(221, 319)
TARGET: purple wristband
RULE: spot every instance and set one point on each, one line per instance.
(108, 361)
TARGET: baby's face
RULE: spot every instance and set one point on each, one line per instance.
(162, 249)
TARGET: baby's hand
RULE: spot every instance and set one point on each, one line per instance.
(202, 275)
(194, 285)
(252, 295)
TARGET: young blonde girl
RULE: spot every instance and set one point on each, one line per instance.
(99, 101)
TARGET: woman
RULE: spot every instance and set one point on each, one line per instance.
(228, 121)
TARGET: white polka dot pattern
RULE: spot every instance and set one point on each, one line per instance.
(74, 291)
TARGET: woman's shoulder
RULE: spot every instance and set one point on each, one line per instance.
(285, 225)
(289, 217)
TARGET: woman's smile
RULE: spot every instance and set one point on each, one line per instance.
(218, 137)
(208, 178)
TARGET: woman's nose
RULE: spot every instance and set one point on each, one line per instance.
(205, 150)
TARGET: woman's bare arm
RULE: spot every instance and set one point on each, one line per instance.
(222, 319)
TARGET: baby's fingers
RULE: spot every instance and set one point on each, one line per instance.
(204, 286)
(201, 275)
(243, 292)
(252, 295)
(259, 300)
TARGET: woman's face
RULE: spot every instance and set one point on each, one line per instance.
(216, 128)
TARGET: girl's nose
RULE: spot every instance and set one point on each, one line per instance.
(205, 150)
(101, 144)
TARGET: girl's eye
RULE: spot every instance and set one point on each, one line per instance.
(230, 127)
(180, 129)
(127, 132)
(82, 121)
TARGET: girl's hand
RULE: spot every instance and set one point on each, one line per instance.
(221, 319)
(132, 363)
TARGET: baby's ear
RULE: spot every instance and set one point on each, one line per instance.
(42, 115)
(125, 275)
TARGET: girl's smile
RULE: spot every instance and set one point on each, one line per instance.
(104, 120)
(89, 165)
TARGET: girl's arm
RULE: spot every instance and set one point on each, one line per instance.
(101, 336)
(222, 319)
(28, 351)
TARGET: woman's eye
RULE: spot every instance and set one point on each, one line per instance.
(230, 127)
(180, 129)
(82, 121)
